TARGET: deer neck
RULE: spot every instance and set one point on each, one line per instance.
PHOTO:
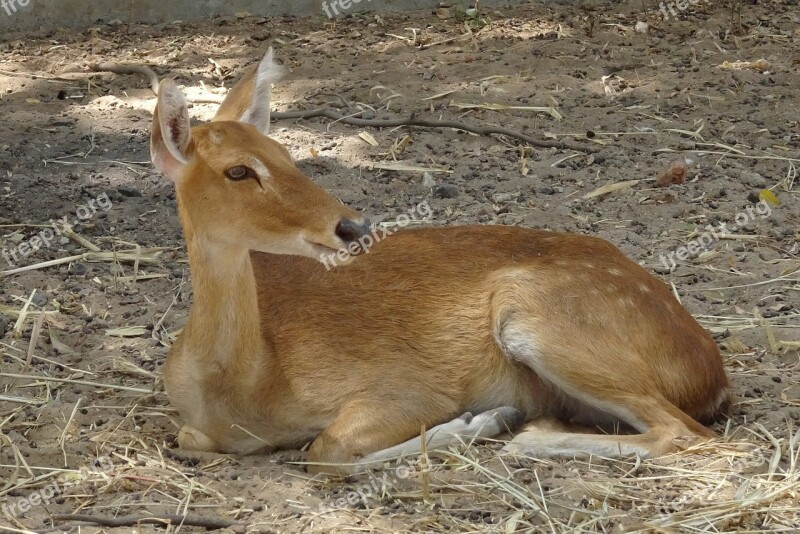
(224, 326)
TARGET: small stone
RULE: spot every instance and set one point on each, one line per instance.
(256, 506)
(40, 299)
(129, 191)
(427, 180)
(505, 197)
(753, 179)
(78, 269)
(3, 324)
(445, 191)
(777, 379)
(641, 27)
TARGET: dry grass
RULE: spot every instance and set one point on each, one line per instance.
(124, 469)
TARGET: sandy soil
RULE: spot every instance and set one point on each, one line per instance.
(77, 147)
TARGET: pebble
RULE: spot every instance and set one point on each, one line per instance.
(129, 191)
(40, 299)
(445, 191)
(78, 269)
(3, 324)
(505, 197)
(754, 179)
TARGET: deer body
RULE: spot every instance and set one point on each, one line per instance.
(510, 323)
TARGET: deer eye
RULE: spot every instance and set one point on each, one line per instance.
(240, 172)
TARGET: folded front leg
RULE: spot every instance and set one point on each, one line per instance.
(362, 438)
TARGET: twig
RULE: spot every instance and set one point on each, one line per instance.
(79, 382)
(152, 78)
(425, 465)
(47, 77)
(133, 520)
(121, 68)
(142, 70)
(430, 123)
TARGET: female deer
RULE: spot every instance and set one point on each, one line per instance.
(511, 323)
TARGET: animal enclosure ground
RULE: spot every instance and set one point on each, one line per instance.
(693, 88)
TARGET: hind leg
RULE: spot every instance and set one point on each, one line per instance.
(619, 387)
(665, 433)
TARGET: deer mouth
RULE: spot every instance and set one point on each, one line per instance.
(319, 250)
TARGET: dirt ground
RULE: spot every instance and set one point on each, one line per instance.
(85, 422)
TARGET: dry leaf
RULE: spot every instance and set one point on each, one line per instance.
(758, 65)
(610, 188)
(550, 110)
(399, 167)
(130, 331)
(367, 137)
(675, 174)
(440, 95)
(60, 347)
(765, 195)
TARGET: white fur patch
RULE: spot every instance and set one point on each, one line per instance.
(216, 137)
(260, 168)
(173, 117)
(520, 344)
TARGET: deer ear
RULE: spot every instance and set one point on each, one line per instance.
(172, 131)
(258, 112)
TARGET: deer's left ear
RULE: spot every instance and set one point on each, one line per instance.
(258, 113)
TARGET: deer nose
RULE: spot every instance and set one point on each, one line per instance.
(348, 230)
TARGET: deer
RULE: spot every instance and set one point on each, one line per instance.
(468, 332)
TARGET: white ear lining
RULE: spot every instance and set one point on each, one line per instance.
(258, 113)
(173, 117)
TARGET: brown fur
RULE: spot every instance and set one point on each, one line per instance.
(430, 324)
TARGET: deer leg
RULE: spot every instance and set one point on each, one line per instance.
(361, 439)
(191, 439)
(594, 380)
